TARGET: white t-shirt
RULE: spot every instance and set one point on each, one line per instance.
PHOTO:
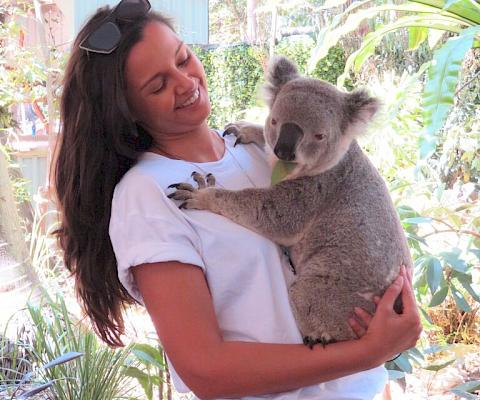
(247, 274)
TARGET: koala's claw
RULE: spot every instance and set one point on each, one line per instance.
(310, 342)
(229, 130)
(182, 186)
(191, 197)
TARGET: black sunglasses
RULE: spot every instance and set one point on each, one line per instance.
(106, 37)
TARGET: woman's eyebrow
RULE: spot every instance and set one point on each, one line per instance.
(158, 75)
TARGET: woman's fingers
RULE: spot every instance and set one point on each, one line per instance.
(364, 316)
(358, 329)
(408, 296)
(392, 293)
(361, 322)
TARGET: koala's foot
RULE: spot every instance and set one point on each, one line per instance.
(321, 308)
(194, 198)
(245, 132)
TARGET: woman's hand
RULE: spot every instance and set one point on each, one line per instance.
(386, 331)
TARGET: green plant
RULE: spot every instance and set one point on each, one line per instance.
(28, 377)
(150, 370)
(98, 375)
(458, 17)
(233, 74)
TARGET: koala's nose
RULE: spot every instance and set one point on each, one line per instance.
(290, 135)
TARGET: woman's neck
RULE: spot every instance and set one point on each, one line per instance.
(202, 145)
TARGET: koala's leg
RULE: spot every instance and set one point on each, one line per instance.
(321, 308)
(280, 213)
(246, 132)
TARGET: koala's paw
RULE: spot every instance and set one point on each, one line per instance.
(193, 198)
(323, 340)
(245, 132)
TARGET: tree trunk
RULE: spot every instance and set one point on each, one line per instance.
(252, 21)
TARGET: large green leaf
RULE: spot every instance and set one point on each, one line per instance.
(466, 9)
(348, 22)
(416, 36)
(372, 39)
(440, 88)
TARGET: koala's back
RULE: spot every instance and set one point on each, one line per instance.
(355, 246)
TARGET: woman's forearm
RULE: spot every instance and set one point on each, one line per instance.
(236, 369)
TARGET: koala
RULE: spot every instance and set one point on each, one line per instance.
(332, 212)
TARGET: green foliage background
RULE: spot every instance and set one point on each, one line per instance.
(235, 73)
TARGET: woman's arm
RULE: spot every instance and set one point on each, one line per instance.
(178, 301)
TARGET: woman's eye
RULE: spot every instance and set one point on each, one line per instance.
(158, 90)
(185, 62)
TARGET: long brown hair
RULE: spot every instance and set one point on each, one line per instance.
(98, 143)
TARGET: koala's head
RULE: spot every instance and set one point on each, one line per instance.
(311, 122)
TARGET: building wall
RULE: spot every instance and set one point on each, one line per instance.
(190, 16)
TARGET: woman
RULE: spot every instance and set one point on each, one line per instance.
(134, 110)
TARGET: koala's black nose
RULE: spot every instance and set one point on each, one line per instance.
(290, 135)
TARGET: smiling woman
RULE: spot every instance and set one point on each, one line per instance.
(134, 114)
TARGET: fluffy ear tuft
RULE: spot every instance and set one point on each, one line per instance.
(280, 71)
(359, 108)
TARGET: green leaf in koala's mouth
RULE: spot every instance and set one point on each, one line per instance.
(281, 170)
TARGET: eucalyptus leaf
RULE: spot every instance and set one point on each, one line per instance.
(403, 363)
(439, 366)
(476, 252)
(393, 374)
(439, 297)
(418, 220)
(459, 299)
(469, 386)
(464, 395)
(454, 261)
(426, 316)
(281, 170)
(470, 291)
(434, 274)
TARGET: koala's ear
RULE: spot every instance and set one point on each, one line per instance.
(359, 108)
(280, 71)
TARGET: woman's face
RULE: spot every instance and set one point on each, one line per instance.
(166, 83)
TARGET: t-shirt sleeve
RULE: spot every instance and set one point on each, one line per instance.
(147, 227)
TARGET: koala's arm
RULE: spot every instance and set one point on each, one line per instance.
(280, 213)
(246, 132)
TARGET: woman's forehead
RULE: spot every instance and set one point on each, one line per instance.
(156, 49)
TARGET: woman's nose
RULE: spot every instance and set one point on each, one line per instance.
(185, 83)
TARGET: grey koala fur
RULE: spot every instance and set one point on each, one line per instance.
(333, 212)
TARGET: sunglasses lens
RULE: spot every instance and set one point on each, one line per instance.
(132, 8)
(105, 38)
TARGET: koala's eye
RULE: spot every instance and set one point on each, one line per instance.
(320, 136)
(273, 121)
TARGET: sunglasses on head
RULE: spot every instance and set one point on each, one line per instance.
(106, 37)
